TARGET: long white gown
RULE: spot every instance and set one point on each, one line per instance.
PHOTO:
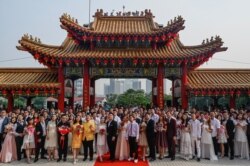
(101, 140)
(241, 143)
(186, 148)
(207, 147)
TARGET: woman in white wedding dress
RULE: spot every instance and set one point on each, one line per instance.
(207, 148)
(241, 143)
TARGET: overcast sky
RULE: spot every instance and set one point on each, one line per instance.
(204, 18)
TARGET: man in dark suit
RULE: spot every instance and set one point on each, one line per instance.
(150, 133)
(230, 132)
(19, 128)
(171, 135)
(4, 120)
(40, 135)
(111, 135)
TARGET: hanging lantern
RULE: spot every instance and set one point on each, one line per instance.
(135, 39)
(238, 93)
(76, 62)
(52, 92)
(163, 37)
(69, 35)
(172, 61)
(203, 93)
(105, 62)
(98, 39)
(46, 59)
(76, 42)
(84, 38)
(231, 93)
(179, 61)
(135, 61)
(223, 93)
(169, 35)
(113, 39)
(192, 60)
(83, 61)
(60, 61)
(37, 56)
(91, 38)
(36, 92)
(209, 93)
(106, 39)
(52, 60)
(150, 61)
(113, 62)
(156, 38)
(67, 61)
(4, 92)
(216, 93)
(119, 61)
(143, 61)
(20, 92)
(174, 35)
(143, 38)
(196, 93)
(165, 61)
(157, 61)
(127, 39)
(13, 92)
(120, 39)
(97, 61)
(45, 92)
(149, 39)
(28, 92)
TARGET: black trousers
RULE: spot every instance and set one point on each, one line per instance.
(40, 147)
(171, 147)
(151, 145)
(229, 145)
(112, 146)
(1, 140)
(215, 143)
(248, 138)
(133, 147)
(19, 143)
(63, 149)
(88, 148)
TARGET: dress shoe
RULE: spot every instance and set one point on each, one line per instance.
(152, 160)
(198, 159)
(231, 158)
(36, 159)
(58, 160)
(43, 157)
(90, 159)
(84, 159)
(64, 159)
(172, 158)
(168, 156)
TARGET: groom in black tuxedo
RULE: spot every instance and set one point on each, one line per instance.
(150, 133)
(111, 135)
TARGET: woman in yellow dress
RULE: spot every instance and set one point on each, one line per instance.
(77, 130)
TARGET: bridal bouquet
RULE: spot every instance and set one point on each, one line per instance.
(79, 129)
(102, 131)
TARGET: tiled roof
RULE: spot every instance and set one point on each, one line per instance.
(219, 79)
(28, 78)
(69, 49)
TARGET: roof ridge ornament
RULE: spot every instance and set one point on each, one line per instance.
(145, 13)
(31, 38)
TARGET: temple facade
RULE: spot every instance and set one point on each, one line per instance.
(125, 45)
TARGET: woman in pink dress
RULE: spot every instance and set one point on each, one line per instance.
(122, 147)
(8, 152)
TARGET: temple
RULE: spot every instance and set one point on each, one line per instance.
(125, 45)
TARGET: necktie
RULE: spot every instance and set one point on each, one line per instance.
(131, 129)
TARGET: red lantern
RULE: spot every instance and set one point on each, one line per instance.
(172, 61)
(76, 41)
(196, 93)
(52, 92)
(4, 92)
(53, 60)
(150, 61)
(36, 56)
(232, 93)
(45, 92)
(46, 59)
(84, 38)
(216, 93)
(174, 35)
(179, 61)
(238, 93)
(69, 35)
(119, 61)
(112, 38)
(76, 62)
(192, 60)
(157, 61)
(169, 35)
(67, 61)
(165, 61)
(36, 92)
(143, 61)
(149, 39)
(20, 92)
(163, 37)
(28, 92)
(91, 38)
(135, 39)
(223, 93)
(203, 92)
(98, 38)
(209, 93)
(106, 39)
(120, 38)
(105, 62)
(113, 62)
(127, 38)
(97, 61)
(135, 61)
(83, 61)
(60, 62)
(143, 38)
(12, 92)
(156, 38)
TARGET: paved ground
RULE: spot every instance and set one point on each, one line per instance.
(165, 162)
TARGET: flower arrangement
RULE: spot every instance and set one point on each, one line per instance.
(79, 129)
(102, 131)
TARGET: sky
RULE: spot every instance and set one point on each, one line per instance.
(204, 18)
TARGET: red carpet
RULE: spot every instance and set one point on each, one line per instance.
(106, 162)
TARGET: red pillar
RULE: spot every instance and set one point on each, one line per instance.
(86, 86)
(61, 80)
(154, 97)
(160, 87)
(232, 102)
(184, 97)
(10, 102)
(92, 96)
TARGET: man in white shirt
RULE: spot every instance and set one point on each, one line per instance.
(154, 116)
(216, 125)
(195, 127)
(116, 118)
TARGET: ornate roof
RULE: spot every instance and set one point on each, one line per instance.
(28, 78)
(215, 79)
(137, 37)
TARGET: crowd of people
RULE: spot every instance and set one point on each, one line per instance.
(124, 133)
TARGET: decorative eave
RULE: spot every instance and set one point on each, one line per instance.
(219, 82)
(126, 28)
(28, 81)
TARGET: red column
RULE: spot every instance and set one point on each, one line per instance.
(154, 98)
(86, 85)
(10, 102)
(160, 87)
(232, 102)
(92, 96)
(61, 80)
(184, 97)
